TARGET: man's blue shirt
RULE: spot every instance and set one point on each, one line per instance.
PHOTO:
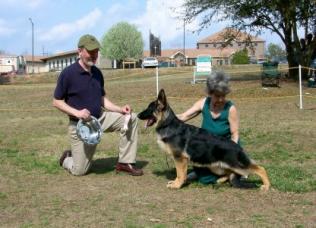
(81, 89)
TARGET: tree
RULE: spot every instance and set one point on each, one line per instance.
(275, 52)
(240, 57)
(283, 17)
(122, 42)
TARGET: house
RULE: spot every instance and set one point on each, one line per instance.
(236, 40)
(11, 64)
(34, 64)
(216, 46)
(59, 61)
(188, 56)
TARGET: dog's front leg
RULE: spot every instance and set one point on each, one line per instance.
(181, 168)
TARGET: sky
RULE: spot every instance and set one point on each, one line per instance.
(59, 24)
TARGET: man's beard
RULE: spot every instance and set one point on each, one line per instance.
(90, 63)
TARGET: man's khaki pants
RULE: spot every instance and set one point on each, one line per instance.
(82, 154)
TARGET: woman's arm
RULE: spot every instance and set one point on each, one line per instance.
(193, 111)
(234, 123)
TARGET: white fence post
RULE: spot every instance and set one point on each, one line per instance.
(157, 86)
(300, 81)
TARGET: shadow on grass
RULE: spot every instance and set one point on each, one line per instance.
(245, 183)
(170, 174)
(105, 165)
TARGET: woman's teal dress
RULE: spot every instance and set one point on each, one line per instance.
(217, 126)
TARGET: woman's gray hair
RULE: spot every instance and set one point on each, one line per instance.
(217, 82)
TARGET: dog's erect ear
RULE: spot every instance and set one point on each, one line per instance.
(162, 99)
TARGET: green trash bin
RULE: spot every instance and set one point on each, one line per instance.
(311, 83)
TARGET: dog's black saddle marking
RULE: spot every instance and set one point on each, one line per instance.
(199, 144)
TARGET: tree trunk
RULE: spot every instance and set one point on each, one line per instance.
(291, 57)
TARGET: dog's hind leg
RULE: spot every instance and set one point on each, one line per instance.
(261, 172)
(181, 168)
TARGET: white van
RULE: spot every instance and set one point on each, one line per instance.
(150, 62)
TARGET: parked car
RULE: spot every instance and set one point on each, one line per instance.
(261, 61)
(167, 64)
(150, 62)
(253, 61)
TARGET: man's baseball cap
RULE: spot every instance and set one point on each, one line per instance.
(88, 42)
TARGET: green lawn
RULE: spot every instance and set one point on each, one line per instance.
(36, 192)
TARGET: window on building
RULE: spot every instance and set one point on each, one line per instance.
(220, 62)
(206, 45)
(214, 45)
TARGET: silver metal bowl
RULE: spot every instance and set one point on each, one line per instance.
(89, 131)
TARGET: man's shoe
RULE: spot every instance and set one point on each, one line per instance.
(128, 168)
(66, 153)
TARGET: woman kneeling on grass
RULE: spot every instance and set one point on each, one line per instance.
(219, 117)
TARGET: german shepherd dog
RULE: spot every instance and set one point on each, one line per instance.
(187, 143)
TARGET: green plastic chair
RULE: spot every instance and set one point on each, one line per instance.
(270, 74)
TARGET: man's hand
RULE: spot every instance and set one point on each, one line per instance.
(84, 114)
(126, 109)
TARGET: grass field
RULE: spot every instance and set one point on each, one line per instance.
(36, 192)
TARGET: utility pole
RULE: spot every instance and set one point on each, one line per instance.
(32, 45)
(184, 41)
(43, 52)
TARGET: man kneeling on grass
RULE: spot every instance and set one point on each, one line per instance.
(80, 94)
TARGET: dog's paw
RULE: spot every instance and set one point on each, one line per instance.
(222, 179)
(264, 187)
(174, 184)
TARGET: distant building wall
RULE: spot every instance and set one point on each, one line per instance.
(104, 63)
(8, 63)
(60, 61)
(36, 67)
